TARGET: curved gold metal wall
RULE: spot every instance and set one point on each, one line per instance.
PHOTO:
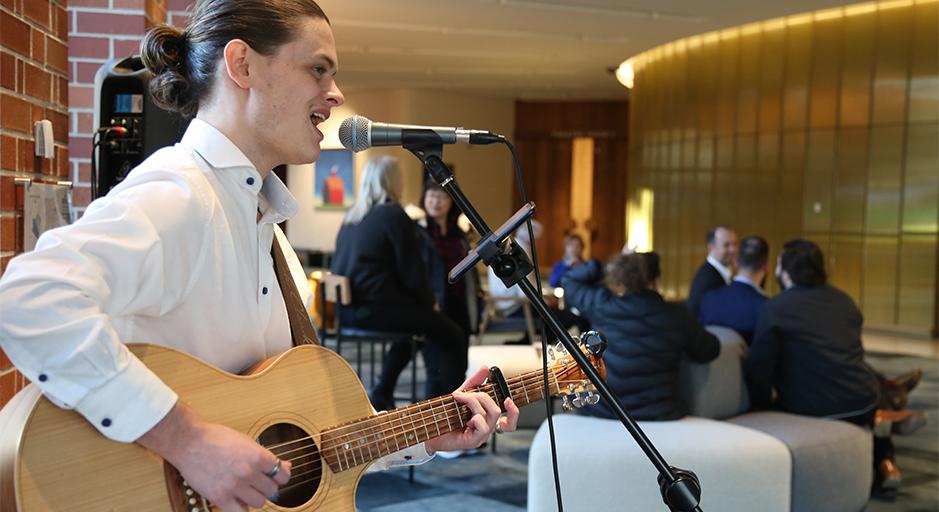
(822, 125)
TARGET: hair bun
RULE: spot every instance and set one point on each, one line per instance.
(163, 52)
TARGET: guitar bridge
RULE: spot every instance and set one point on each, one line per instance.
(182, 497)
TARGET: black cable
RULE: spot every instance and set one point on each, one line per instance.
(95, 143)
(544, 337)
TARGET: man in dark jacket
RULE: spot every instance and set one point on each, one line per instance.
(647, 336)
(738, 305)
(807, 347)
(715, 272)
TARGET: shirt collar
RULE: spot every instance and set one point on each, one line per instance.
(212, 145)
(275, 201)
(744, 280)
(724, 271)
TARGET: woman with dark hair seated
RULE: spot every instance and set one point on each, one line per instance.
(647, 336)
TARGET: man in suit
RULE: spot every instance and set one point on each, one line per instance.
(738, 306)
(716, 271)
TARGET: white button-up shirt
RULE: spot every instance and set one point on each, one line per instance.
(724, 270)
(174, 255)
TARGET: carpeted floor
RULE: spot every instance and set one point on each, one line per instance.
(498, 482)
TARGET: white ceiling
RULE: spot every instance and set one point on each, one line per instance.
(529, 49)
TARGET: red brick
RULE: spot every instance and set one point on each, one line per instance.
(14, 34)
(8, 189)
(61, 17)
(129, 4)
(85, 72)
(7, 233)
(43, 165)
(14, 114)
(38, 83)
(89, 47)
(179, 19)
(59, 125)
(88, 3)
(8, 153)
(20, 75)
(105, 23)
(81, 96)
(179, 5)
(56, 55)
(8, 383)
(84, 172)
(61, 159)
(84, 122)
(81, 196)
(4, 261)
(5, 362)
(126, 48)
(79, 146)
(38, 49)
(62, 93)
(27, 155)
(18, 222)
(7, 3)
(7, 71)
(38, 114)
(38, 11)
(20, 197)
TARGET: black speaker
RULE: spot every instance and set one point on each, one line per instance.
(122, 99)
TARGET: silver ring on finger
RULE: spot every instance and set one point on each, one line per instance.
(272, 473)
(499, 429)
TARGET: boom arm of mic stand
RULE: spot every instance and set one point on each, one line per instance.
(680, 488)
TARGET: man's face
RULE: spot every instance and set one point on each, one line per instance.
(724, 248)
(296, 91)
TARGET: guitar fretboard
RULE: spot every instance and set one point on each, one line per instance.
(366, 440)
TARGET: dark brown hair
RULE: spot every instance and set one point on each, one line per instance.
(183, 62)
(804, 262)
(629, 272)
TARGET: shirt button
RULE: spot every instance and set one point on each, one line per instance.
(106, 422)
(250, 181)
(264, 290)
(43, 377)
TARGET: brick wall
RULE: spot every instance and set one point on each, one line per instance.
(33, 86)
(50, 51)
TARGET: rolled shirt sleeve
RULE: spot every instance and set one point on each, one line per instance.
(133, 253)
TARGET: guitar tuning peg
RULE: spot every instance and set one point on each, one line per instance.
(578, 402)
(566, 404)
(572, 388)
(560, 348)
(551, 355)
(592, 398)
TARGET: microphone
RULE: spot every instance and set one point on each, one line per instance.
(358, 133)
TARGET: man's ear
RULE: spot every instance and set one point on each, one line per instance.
(236, 62)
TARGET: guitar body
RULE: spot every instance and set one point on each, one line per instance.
(53, 459)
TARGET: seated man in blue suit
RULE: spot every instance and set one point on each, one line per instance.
(738, 306)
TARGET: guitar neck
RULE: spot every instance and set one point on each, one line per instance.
(369, 439)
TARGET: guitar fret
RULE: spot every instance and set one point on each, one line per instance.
(458, 414)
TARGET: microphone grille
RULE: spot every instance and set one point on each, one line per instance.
(353, 133)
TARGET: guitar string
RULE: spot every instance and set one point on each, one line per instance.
(438, 422)
(514, 382)
(400, 419)
(528, 385)
(519, 383)
(317, 470)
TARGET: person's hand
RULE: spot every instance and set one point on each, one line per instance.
(436, 307)
(486, 417)
(224, 466)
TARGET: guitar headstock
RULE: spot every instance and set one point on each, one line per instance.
(574, 387)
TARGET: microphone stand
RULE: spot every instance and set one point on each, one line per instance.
(680, 488)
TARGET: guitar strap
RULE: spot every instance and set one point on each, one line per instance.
(301, 329)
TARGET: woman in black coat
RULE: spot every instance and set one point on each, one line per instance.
(647, 336)
(379, 249)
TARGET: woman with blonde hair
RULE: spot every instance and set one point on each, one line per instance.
(379, 250)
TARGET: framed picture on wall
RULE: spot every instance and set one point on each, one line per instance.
(334, 180)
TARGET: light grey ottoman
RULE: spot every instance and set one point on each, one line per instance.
(602, 469)
(831, 460)
(716, 390)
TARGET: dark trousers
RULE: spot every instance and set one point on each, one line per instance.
(444, 349)
(883, 446)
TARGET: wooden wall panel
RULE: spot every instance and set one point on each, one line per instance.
(823, 126)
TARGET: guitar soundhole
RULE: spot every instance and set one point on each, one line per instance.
(291, 443)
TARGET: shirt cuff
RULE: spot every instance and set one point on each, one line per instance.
(129, 404)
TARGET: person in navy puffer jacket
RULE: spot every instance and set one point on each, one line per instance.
(647, 335)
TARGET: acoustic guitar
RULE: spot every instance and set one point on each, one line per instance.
(305, 405)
